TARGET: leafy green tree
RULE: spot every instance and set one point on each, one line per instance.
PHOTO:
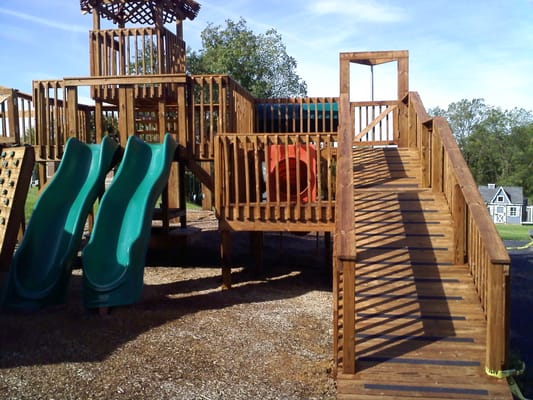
(109, 126)
(497, 144)
(485, 152)
(259, 62)
(29, 136)
(145, 61)
(463, 116)
(520, 158)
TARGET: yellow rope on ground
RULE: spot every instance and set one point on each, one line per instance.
(515, 389)
(506, 373)
(510, 374)
(521, 247)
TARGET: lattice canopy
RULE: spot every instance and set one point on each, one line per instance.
(144, 12)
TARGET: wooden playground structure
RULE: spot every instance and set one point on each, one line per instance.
(420, 276)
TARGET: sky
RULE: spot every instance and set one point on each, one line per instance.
(458, 49)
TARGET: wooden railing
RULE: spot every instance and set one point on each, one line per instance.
(136, 51)
(375, 123)
(218, 104)
(215, 104)
(266, 181)
(16, 117)
(477, 242)
(55, 121)
(143, 51)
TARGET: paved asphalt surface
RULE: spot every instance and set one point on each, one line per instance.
(522, 312)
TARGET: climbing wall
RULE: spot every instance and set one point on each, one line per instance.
(16, 166)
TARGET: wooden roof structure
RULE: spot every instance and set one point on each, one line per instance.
(145, 12)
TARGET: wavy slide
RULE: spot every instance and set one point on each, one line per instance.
(42, 264)
(115, 256)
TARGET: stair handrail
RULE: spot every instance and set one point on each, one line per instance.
(477, 242)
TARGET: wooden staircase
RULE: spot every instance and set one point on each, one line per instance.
(420, 330)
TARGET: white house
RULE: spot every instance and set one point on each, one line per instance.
(506, 204)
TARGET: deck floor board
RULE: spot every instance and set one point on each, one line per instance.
(420, 329)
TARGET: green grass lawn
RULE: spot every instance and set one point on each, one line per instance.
(514, 232)
(30, 202)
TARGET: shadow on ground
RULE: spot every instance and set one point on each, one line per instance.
(69, 333)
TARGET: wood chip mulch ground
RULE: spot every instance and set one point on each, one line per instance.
(270, 337)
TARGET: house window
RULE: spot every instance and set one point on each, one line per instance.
(499, 199)
(512, 211)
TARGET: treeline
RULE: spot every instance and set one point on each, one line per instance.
(497, 144)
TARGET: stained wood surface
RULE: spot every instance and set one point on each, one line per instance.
(420, 331)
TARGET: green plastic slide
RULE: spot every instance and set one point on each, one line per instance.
(42, 264)
(115, 256)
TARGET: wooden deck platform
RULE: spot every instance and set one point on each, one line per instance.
(420, 329)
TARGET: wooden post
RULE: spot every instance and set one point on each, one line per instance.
(182, 138)
(425, 134)
(345, 247)
(126, 116)
(256, 244)
(437, 162)
(347, 264)
(72, 111)
(403, 74)
(182, 195)
(225, 255)
(403, 90)
(412, 124)
(96, 20)
(459, 222)
(328, 262)
(402, 128)
(497, 318)
(174, 186)
(207, 200)
(98, 121)
(176, 182)
(13, 116)
(161, 125)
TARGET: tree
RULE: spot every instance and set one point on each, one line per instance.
(259, 62)
(145, 61)
(520, 157)
(109, 126)
(463, 116)
(496, 144)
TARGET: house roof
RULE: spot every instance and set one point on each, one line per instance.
(513, 193)
(143, 12)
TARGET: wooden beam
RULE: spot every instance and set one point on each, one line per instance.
(126, 115)
(72, 111)
(374, 57)
(344, 241)
(125, 80)
(225, 255)
(98, 121)
(13, 117)
(403, 76)
(459, 222)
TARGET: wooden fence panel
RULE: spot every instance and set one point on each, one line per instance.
(262, 180)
